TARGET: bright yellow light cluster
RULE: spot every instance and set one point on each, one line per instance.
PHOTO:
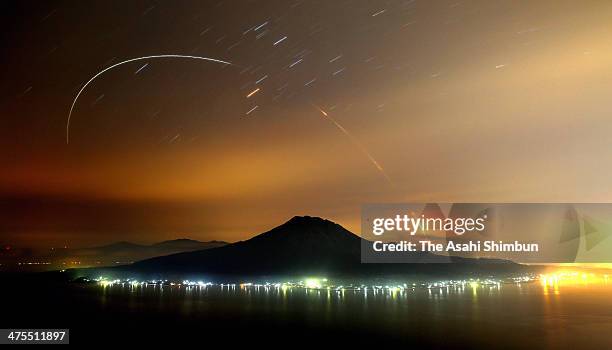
(313, 283)
(569, 277)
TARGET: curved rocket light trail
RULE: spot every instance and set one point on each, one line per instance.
(128, 61)
(358, 144)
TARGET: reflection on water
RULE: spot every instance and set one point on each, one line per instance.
(551, 282)
(558, 310)
(530, 309)
(321, 288)
(571, 278)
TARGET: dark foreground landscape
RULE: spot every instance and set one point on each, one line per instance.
(522, 315)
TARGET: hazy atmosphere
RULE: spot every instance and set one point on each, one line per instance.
(325, 106)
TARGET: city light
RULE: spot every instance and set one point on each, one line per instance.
(313, 283)
(551, 280)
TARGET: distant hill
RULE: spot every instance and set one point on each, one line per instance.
(108, 255)
(302, 245)
(187, 244)
(127, 252)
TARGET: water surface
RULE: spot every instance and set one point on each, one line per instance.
(549, 313)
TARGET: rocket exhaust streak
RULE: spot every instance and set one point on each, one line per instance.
(128, 61)
(340, 127)
(357, 144)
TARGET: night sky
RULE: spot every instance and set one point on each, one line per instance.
(491, 101)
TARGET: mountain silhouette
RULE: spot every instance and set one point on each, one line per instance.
(302, 245)
(107, 255)
(186, 244)
(129, 252)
